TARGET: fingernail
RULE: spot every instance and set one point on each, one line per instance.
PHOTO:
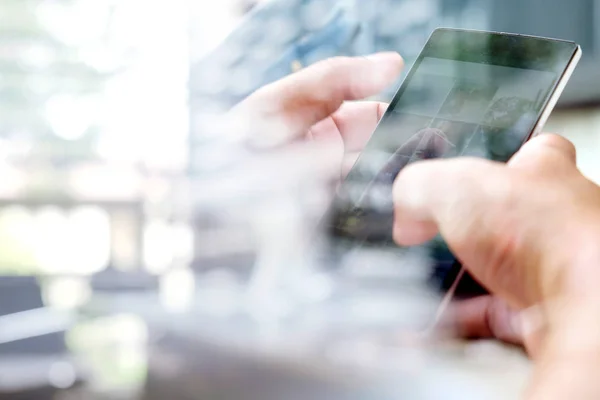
(386, 68)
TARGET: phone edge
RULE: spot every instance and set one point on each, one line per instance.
(553, 100)
(442, 28)
(558, 91)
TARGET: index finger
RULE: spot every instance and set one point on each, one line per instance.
(475, 205)
(288, 108)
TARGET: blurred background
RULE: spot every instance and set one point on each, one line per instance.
(106, 106)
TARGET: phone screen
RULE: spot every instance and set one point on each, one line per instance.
(469, 93)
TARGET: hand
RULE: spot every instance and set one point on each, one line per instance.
(529, 232)
(310, 107)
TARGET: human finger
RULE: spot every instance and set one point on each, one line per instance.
(288, 108)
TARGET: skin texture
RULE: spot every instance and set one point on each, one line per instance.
(527, 230)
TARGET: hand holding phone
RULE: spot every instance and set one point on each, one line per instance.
(469, 93)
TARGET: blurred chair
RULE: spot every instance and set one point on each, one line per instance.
(114, 281)
(19, 294)
(29, 364)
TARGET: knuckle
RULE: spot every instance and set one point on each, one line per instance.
(502, 237)
(482, 207)
(321, 83)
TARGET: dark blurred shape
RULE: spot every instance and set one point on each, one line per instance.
(427, 144)
(467, 287)
(187, 366)
(19, 294)
(112, 280)
(372, 223)
(239, 264)
(27, 365)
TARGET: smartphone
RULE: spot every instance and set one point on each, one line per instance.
(469, 93)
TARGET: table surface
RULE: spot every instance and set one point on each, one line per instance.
(27, 372)
(498, 369)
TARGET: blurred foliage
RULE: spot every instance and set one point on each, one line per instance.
(35, 66)
(44, 56)
(115, 346)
